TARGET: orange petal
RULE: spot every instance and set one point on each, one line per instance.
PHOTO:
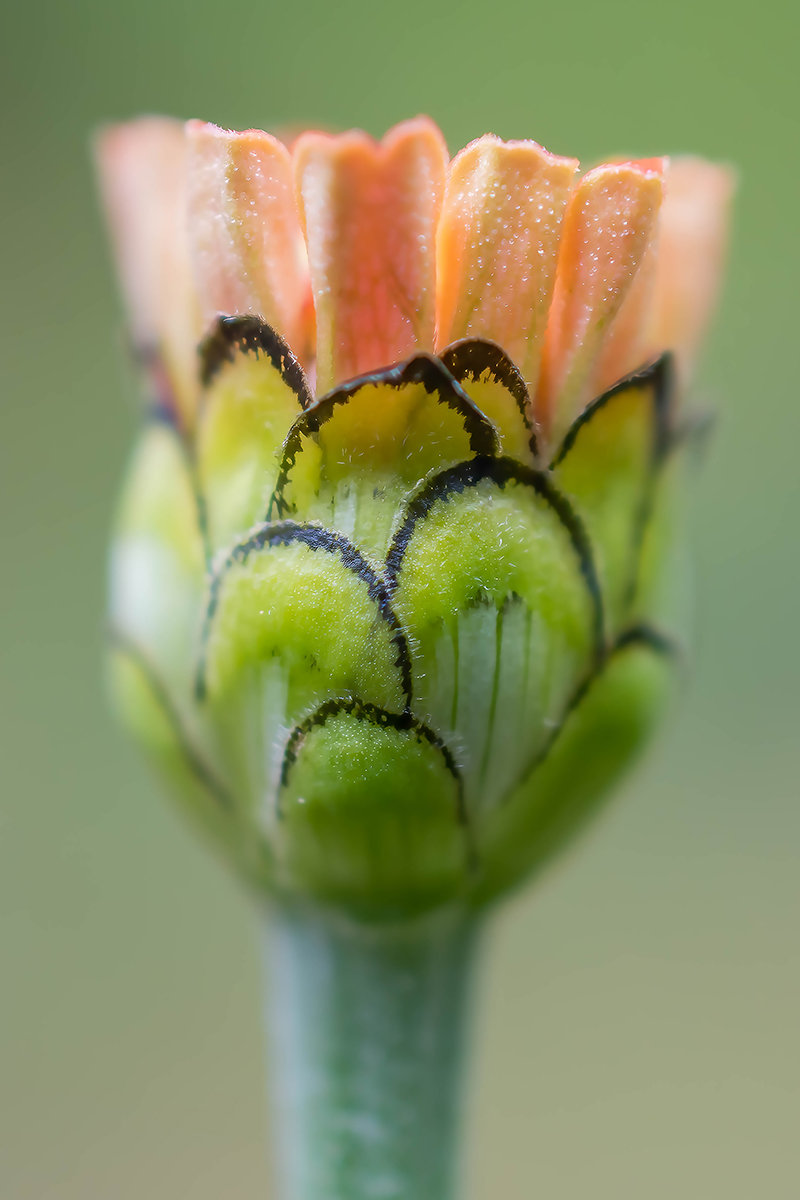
(142, 170)
(247, 246)
(607, 227)
(625, 346)
(497, 246)
(370, 212)
(692, 243)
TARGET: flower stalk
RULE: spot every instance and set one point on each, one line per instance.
(368, 1028)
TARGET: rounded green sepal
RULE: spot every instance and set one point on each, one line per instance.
(371, 813)
(493, 575)
(254, 389)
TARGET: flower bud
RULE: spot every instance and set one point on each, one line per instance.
(392, 643)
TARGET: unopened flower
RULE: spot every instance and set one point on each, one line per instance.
(393, 578)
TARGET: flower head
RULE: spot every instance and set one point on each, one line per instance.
(390, 588)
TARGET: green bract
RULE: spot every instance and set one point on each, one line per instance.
(388, 656)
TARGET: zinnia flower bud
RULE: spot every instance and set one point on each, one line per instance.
(392, 586)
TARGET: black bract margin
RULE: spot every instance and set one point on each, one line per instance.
(248, 334)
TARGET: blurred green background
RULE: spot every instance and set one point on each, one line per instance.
(640, 1018)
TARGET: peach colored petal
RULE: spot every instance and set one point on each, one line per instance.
(692, 243)
(607, 227)
(142, 170)
(497, 246)
(247, 247)
(370, 212)
(625, 347)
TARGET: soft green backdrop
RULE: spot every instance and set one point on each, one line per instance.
(640, 1023)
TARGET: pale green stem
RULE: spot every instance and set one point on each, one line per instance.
(368, 1027)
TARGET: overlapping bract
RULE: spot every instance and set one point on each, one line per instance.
(392, 637)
